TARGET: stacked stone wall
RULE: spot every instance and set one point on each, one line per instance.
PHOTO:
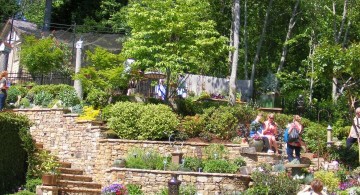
(82, 145)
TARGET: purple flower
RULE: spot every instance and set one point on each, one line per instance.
(114, 189)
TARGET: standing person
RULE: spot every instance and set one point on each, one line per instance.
(292, 145)
(181, 89)
(354, 131)
(256, 128)
(270, 131)
(3, 89)
(160, 90)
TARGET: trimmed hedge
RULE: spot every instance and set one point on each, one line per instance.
(142, 121)
(14, 138)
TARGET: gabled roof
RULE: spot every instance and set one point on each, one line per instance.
(90, 40)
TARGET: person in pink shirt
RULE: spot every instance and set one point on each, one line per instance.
(270, 131)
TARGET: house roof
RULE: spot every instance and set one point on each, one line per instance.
(90, 40)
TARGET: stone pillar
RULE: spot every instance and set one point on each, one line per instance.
(77, 83)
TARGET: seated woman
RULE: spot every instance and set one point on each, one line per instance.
(270, 131)
(256, 128)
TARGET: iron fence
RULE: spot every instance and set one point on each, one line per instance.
(52, 78)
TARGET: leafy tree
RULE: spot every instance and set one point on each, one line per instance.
(7, 9)
(42, 56)
(104, 73)
(173, 35)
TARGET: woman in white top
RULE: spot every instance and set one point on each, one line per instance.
(352, 138)
(3, 89)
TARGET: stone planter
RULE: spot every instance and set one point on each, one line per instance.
(49, 180)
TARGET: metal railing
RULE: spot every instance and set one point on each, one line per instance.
(52, 78)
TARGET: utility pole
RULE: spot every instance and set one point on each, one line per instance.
(77, 83)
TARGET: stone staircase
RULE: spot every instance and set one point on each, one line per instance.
(70, 182)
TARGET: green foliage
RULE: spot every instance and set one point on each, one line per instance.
(134, 189)
(97, 98)
(7, 9)
(32, 183)
(347, 157)
(43, 98)
(258, 190)
(89, 114)
(25, 192)
(219, 166)
(142, 121)
(104, 73)
(315, 137)
(44, 55)
(16, 150)
(192, 125)
(280, 184)
(170, 35)
(13, 93)
(24, 102)
(216, 151)
(68, 97)
(330, 181)
(48, 163)
(139, 158)
(193, 163)
(221, 121)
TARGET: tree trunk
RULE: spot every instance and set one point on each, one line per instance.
(235, 55)
(47, 15)
(245, 42)
(337, 36)
(288, 35)
(258, 48)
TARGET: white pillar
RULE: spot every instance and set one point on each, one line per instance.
(77, 83)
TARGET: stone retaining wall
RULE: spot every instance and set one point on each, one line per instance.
(72, 141)
(205, 183)
(82, 145)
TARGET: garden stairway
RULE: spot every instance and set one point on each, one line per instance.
(70, 182)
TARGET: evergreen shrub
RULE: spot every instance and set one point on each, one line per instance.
(142, 121)
(15, 142)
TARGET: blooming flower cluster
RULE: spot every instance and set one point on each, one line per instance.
(114, 189)
(348, 184)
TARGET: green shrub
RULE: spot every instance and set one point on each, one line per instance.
(68, 97)
(43, 98)
(240, 161)
(315, 137)
(219, 166)
(139, 158)
(279, 184)
(32, 183)
(221, 121)
(193, 163)
(192, 125)
(331, 182)
(24, 102)
(97, 98)
(142, 121)
(257, 190)
(134, 189)
(216, 151)
(13, 93)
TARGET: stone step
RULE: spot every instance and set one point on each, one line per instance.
(65, 164)
(71, 171)
(76, 184)
(78, 191)
(73, 177)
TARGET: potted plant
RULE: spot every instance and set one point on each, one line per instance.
(49, 168)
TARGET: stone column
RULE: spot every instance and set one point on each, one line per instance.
(77, 83)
